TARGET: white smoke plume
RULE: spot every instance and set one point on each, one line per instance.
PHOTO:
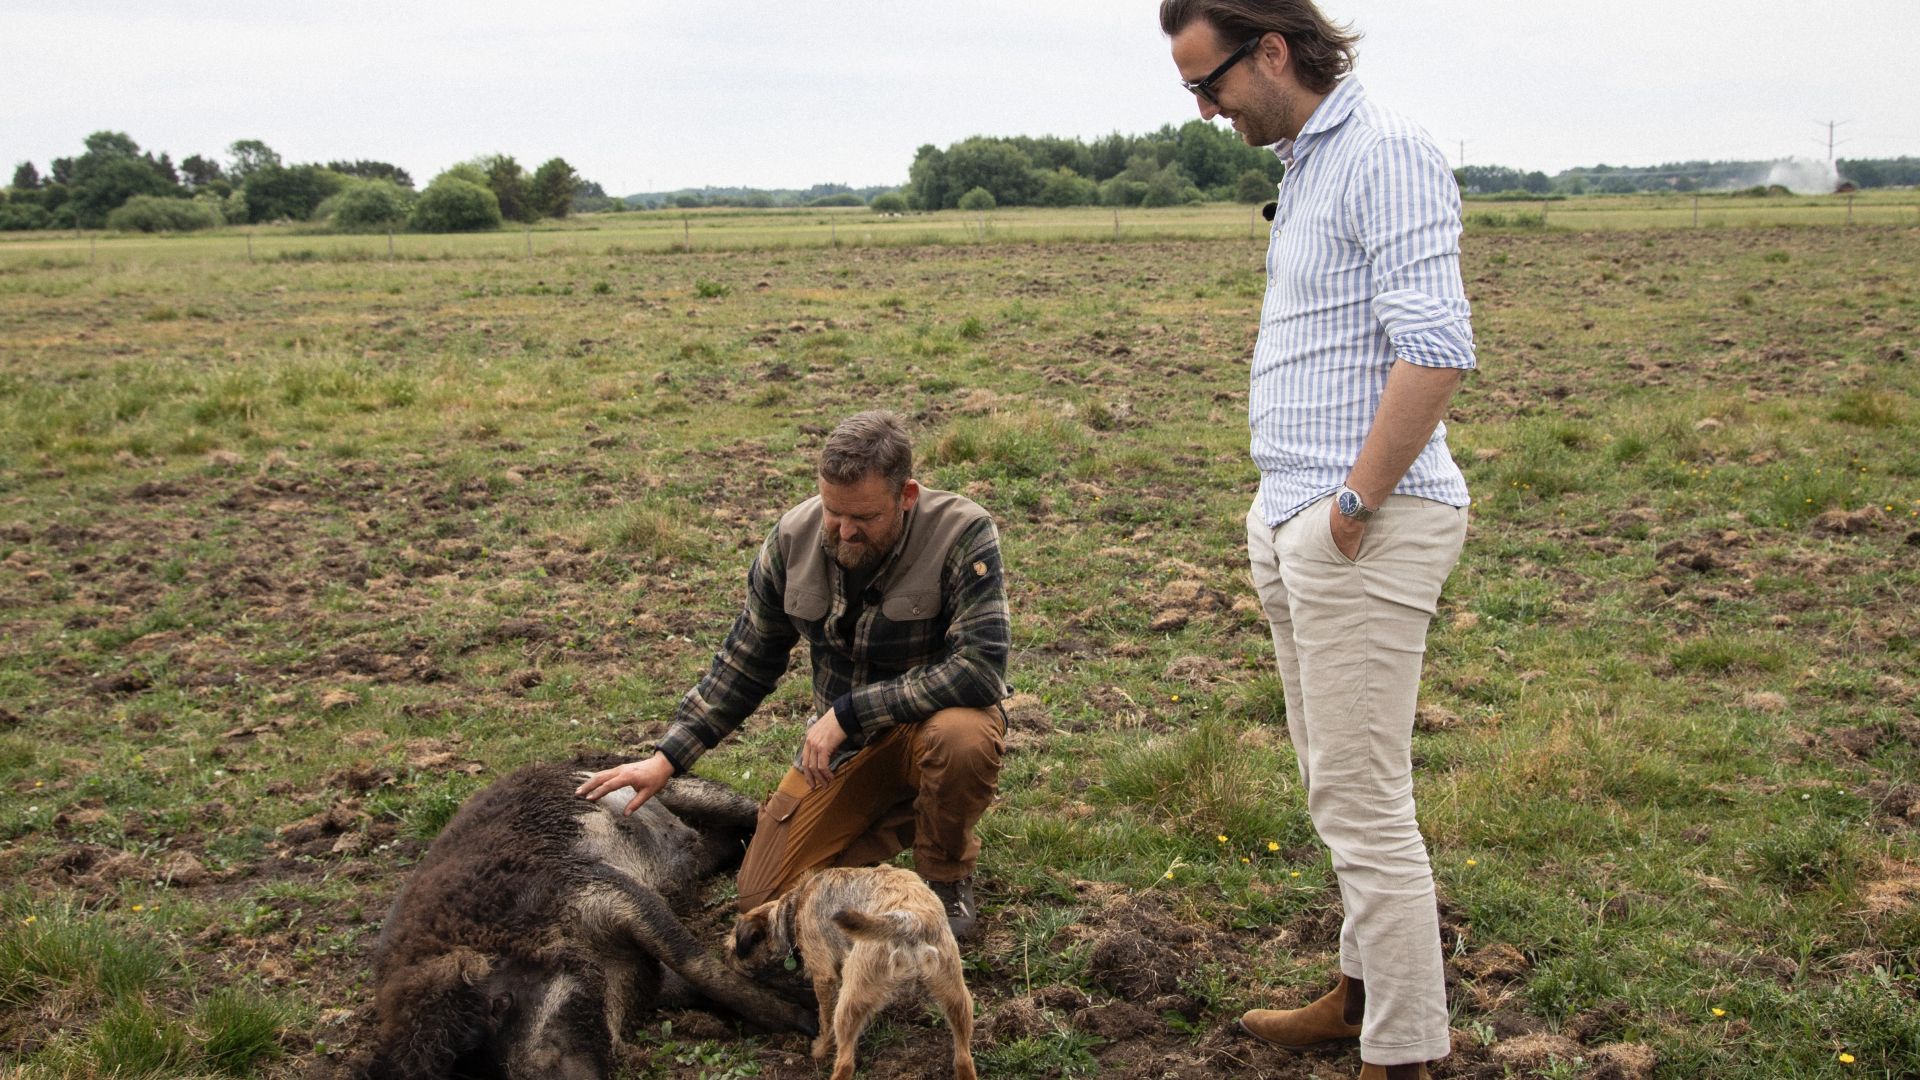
(1803, 176)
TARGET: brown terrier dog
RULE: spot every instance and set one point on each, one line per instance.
(864, 935)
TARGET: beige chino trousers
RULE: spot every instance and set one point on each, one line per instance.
(1349, 636)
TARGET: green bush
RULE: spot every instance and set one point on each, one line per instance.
(889, 202)
(15, 217)
(368, 206)
(978, 199)
(156, 213)
(451, 204)
(844, 198)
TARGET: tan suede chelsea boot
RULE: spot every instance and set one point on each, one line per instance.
(1335, 1015)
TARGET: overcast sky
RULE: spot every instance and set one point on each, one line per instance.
(641, 95)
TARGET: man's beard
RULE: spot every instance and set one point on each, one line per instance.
(853, 556)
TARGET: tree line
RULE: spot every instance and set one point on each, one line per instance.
(1194, 162)
(1682, 176)
(115, 184)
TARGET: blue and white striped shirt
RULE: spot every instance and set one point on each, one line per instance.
(1363, 267)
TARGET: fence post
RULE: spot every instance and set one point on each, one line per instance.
(529, 241)
(249, 245)
(91, 241)
(1849, 207)
(389, 245)
(1696, 211)
(1543, 213)
(686, 230)
(1116, 224)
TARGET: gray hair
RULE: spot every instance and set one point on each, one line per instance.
(873, 442)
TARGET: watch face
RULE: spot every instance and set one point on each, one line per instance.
(1349, 503)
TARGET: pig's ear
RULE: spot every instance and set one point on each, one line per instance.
(432, 1014)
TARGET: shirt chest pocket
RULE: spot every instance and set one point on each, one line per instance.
(807, 607)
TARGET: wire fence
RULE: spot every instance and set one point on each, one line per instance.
(666, 233)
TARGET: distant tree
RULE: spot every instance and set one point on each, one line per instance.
(508, 182)
(372, 170)
(16, 216)
(1252, 187)
(276, 192)
(1122, 190)
(26, 177)
(1064, 187)
(250, 156)
(553, 188)
(976, 199)
(844, 198)
(1170, 187)
(889, 202)
(367, 206)
(108, 174)
(106, 144)
(198, 172)
(61, 170)
(927, 178)
(992, 164)
(454, 204)
(163, 167)
(151, 213)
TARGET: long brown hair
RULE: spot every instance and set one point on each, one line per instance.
(1322, 50)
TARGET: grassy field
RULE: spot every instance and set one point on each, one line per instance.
(662, 231)
(297, 552)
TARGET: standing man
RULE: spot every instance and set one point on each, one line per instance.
(898, 591)
(1361, 513)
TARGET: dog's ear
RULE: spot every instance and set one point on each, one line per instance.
(749, 931)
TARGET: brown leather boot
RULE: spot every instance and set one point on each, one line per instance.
(1335, 1015)
(1393, 1072)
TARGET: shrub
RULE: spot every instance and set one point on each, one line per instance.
(844, 198)
(156, 213)
(368, 206)
(978, 199)
(15, 217)
(451, 204)
(889, 202)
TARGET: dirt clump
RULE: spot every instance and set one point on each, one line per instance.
(1849, 522)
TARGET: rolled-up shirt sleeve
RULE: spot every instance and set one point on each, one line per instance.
(978, 638)
(744, 671)
(1405, 209)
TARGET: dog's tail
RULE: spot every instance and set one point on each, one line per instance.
(903, 937)
(891, 925)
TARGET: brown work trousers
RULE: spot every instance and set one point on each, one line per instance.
(920, 786)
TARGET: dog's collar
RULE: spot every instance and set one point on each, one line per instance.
(789, 917)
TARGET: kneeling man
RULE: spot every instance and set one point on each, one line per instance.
(898, 591)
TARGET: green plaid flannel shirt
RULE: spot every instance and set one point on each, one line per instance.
(886, 673)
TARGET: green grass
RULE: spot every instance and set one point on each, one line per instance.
(349, 537)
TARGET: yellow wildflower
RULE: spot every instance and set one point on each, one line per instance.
(1222, 838)
(1717, 1013)
(1271, 846)
(1846, 1058)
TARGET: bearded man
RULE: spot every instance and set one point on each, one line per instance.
(898, 592)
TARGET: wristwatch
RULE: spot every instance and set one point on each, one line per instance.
(1350, 505)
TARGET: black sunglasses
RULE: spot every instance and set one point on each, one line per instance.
(1204, 87)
